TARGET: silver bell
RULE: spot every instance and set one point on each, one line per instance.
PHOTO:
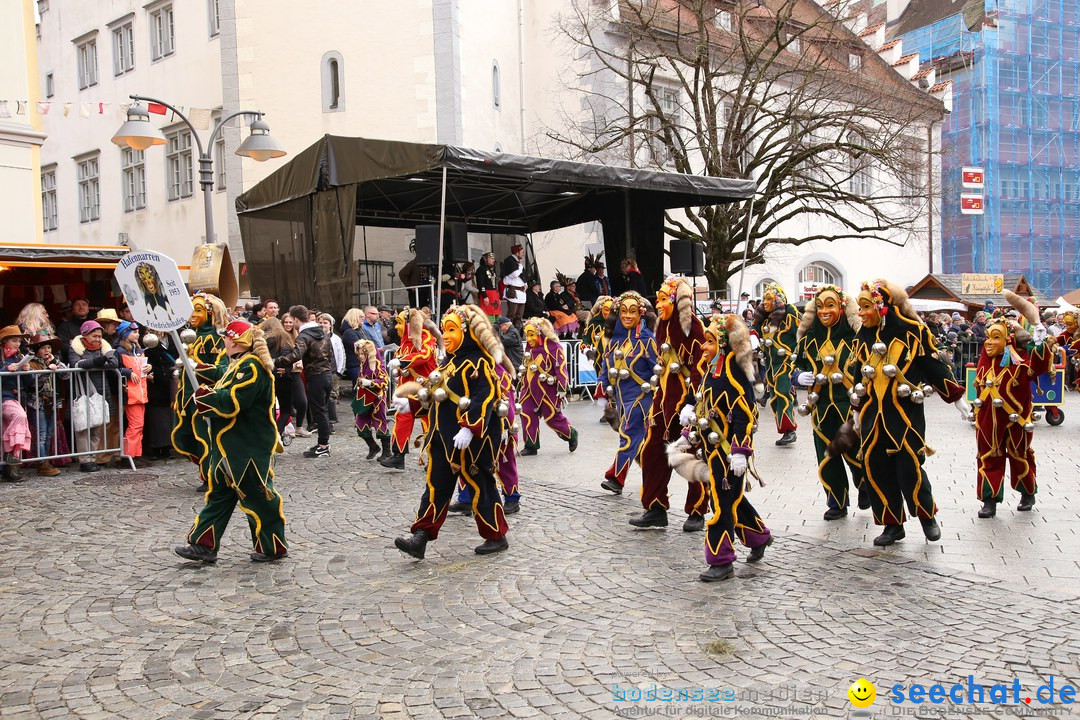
(179, 363)
(903, 390)
(803, 409)
(434, 377)
(424, 395)
(928, 390)
(781, 352)
(514, 427)
(879, 348)
(1014, 417)
(618, 354)
(1036, 417)
(533, 368)
(645, 387)
(439, 395)
(989, 383)
(855, 400)
(917, 397)
(654, 379)
(977, 403)
(521, 368)
(830, 360)
(820, 378)
(550, 379)
(612, 372)
(185, 347)
(665, 347)
(674, 367)
(658, 368)
(610, 390)
(890, 370)
(396, 372)
(836, 378)
(868, 371)
(623, 374)
(860, 389)
(517, 407)
(998, 402)
(1029, 427)
(464, 403)
(187, 335)
(502, 409)
(150, 341)
(812, 398)
(714, 438)
(703, 422)
(768, 342)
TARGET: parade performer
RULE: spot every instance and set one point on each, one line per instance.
(898, 365)
(244, 440)
(544, 380)
(825, 336)
(467, 412)
(415, 360)
(721, 431)
(1011, 359)
(629, 357)
(189, 436)
(1069, 339)
(677, 374)
(369, 404)
(777, 323)
(593, 342)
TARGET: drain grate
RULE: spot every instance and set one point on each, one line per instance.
(107, 479)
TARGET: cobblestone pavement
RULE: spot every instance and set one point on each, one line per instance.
(98, 619)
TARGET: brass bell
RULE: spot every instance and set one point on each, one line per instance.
(440, 395)
(714, 438)
(917, 397)
(464, 403)
(836, 378)
(890, 370)
(803, 409)
(998, 402)
(623, 374)
(879, 348)
(868, 371)
(187, 335)
(903, 390)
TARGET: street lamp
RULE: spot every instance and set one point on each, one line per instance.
(138, 134)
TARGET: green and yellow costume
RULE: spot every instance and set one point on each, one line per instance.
(777, 323)
(190, 435)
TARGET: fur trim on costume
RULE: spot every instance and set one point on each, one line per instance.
(414, 326)
(218, 314)
(684, 305)
(1027, 310)
(260, 350)
(482, 331)
(432, 327)
(738, 337)
(408, 389)
(366, 353)
(809, 315)
(897, 298)
(683, 461)
(544, 327)
(851, 314)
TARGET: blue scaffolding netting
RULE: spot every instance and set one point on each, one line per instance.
(1016, 114)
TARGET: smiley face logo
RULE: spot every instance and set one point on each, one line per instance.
(862, 693)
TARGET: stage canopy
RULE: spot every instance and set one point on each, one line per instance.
(298, 224)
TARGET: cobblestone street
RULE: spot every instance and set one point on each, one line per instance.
(99, 619)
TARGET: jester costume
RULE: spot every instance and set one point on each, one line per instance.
(825, 336)
(680, 334)
(1010, 361)
(594, 338)
(544, 380)
(414, 362)
(721, 431)
(244, 440)
(897, 363)
(466, 413)
(190, 436)
(1069, 339)
(777, 323)
(628, 360)
(369, 405)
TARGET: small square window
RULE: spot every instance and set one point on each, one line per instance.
(162, 32)
(854, 61)
(723, 20)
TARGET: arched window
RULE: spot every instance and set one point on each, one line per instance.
(333, 82)
(820, 273)
(496, 90)
(759, 289)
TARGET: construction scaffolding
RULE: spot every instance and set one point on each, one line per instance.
(1015, 69)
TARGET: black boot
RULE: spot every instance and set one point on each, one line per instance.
(460, 508)
(372, 446)
(12, 474)
(528, 450)
(414, 545)
(864, 495)
(199, 553)
(891, 534)
(394, 462)
(989, 509)
(835, 513)
(492, 546)
(788, 438)
(930, 529)
(654, 517)
(1026, 502)
(612, 485)
(717, 572)
(756, 554)
(386, 452)
(694, 523)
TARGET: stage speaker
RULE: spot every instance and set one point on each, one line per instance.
(455, 243)
(687, 258)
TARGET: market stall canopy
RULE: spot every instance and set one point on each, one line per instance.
(45, 255)
(298, 224)
(950, 286)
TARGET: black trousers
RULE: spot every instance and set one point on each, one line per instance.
(318, 388)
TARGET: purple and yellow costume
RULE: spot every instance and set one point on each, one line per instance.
(544, 380)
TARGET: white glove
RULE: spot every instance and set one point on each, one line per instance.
(401, 405)
(686, 415)
(463, 438)
(365, 382)
(805, 379)
(1038, 334)
(681, 444)
(964, 408)
(394, 364)
(738, 464)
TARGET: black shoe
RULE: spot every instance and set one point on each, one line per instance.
(394, 462)
(413, 545)
(655, 517)
(835, 513)
(528, 450)
(864, 496)
(787, 439)
(717, 572)
(372, 446)
(989, 509)
(89, 467)
(460, 508)
(611, 485)
(491, 546)
(260, 557)
(203, 487)
(1026, 502)
(573, 439)
(386, 452)
(694, 523)
(756, 554)
(199, 553)
(891, 534)
(318, 451)
(930, 529)
(511, 506)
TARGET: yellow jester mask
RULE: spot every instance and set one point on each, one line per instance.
(453, 332)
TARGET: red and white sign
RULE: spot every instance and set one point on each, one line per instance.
(971, 204)
(973, 178)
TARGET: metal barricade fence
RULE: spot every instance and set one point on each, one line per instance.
(65, 386)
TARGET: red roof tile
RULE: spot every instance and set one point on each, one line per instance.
(891, 44)
(906, 59)
(925, 72)
(941, 86)
(871, 30)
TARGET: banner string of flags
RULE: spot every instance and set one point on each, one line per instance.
(199, 117)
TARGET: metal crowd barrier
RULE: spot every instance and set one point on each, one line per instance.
(67, 385)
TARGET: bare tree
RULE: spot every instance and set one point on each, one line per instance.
(775, 90)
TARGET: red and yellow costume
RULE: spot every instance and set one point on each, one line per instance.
(680, 335)
(414, 362)
(1009, 362)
